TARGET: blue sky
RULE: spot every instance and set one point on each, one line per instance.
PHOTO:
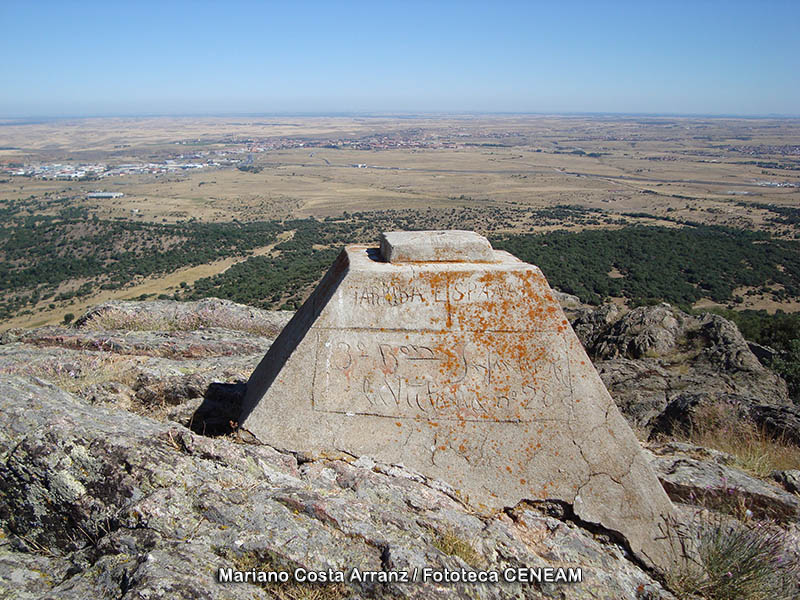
(102, 58)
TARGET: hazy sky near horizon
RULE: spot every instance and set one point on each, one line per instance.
(180, 57)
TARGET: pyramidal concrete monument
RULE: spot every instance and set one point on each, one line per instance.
(439, 353)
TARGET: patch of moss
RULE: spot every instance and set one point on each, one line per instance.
(450, 543)
(267, 560)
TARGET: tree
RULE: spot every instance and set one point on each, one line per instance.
(788, 367)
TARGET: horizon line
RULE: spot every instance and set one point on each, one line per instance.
(31, 119)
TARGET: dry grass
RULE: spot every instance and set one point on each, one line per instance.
(739, 561)
(292, 590)
(77, 373)
(115, 319)
(449, 542)
(527, 170)
(719, 426)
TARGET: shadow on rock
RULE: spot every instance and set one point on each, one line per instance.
(219, 412)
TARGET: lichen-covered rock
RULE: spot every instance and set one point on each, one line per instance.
(168, 315)
(467, 371)
(177, 345)
(713, 484)
(643, 332)
(126, 379)
(97, 502)
(781, 421)
(567, 301)
(101, 503)
(653, 355)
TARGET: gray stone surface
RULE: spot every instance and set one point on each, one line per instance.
(790, 480)
(162, 373)
(99, 503)
(465, 372)
(168, 315)
(237, 502)
(567, 301)
(657, 361)
(435, 246)
(688, 476)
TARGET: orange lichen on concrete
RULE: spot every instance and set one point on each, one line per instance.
(467, 372)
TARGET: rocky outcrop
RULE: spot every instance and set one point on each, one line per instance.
(782, 421)
(679, 416)
(165, 371)
(655, 356)
(172, 316)
(112, 486)
(694, 475)
(657, 362)
(790, 480)
(102, 503)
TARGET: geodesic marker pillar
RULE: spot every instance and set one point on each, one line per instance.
(438, 352)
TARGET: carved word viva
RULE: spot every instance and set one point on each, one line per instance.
(462, 380)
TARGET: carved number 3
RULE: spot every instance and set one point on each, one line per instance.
(343, 359)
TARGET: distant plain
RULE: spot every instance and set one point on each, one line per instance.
(646, 170)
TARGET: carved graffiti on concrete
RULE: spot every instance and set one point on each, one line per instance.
(502, 376)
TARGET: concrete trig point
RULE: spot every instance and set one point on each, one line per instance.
(455, 360)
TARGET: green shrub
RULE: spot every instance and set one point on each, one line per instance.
(788, 367)
(741, 561)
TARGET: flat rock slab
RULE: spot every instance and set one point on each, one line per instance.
(467, 372)
(435, 246)
(708, 483)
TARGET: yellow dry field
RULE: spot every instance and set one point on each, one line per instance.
(701, 170)
(655, 166)
(117, 137)
(752, 299)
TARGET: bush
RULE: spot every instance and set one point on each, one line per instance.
(788, 367)
(741, 561)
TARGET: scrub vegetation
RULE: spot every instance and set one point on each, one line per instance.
(653, 264)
